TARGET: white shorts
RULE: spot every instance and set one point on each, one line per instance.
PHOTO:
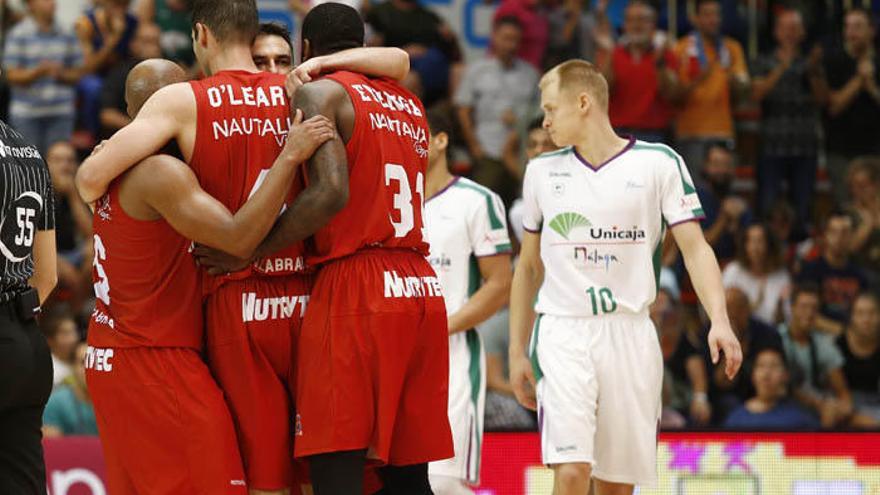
(467, 405)
(599, 391)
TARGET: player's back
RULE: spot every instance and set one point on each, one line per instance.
(242, 123)
(146, 282)
(387, 158)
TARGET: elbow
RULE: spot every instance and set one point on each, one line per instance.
(87, 183)
(404, 64)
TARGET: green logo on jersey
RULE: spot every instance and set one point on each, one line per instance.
(564, 223)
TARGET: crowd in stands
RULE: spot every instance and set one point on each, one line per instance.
(781, 138)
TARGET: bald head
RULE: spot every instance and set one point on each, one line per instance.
(148, 77)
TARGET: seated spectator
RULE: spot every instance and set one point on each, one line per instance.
(503, 412)
(105, 33)
(536, 29)
(854, 99)
(62, 337)
(69, 410)
(758, 271)
(272, 49)
(494, 93)
(685, 379)
(726, 213)
(815, 362)
(114, 109)
(860, 345)
(771, 408)
(839, 278)
(73, 227)
(790, 88)
(173, 19)
(864, 190)
(713, 72)
(641, 77)
(42, 64)
(726, 395)
(431, 44)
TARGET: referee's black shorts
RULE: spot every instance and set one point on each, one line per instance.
(25, 384)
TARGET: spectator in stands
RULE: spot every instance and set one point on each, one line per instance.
(860, 345)
(73, 227)
(491, 99)
(771, 408)
(537, 142)
(173, 19)
(641, 77)
(575, 32)
(863, 180)
(62, 336)
(854, 101)
(503, 412)
(725, 394)
(759, 272)
(839, 278)
(431, 44)
(272, 49)
(114, 110)
(790, 89)
(685, 379)
(535, 28)
(69, 410)
(816, 364)
(726, 213)
(105, 33)
(713, 72)
(42, 64)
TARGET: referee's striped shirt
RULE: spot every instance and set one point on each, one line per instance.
(27, 205)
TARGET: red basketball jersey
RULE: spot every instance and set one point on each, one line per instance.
(387, 159)
(146, 282)
(243, 121)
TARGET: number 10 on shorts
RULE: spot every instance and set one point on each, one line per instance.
(602, 301)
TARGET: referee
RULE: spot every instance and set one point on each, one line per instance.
(27, 277)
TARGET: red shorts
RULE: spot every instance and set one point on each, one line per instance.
(373, 361)
(165, 428)
(251, 327)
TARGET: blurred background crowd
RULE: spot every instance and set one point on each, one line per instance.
(774, 104)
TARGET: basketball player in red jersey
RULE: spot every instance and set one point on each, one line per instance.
(373, 352)
(230, 127)
(163, 421)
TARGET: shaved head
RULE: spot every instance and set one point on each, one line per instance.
(148, 77)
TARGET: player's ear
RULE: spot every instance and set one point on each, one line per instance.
(585, 102)
(200, 34)
(441, 140)
(306, 52)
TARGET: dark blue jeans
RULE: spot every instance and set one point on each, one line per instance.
(799, 172)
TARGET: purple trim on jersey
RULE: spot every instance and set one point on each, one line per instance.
(447, 186)
(629, 145)
(694, 219)
(538, 231)
(502, 253)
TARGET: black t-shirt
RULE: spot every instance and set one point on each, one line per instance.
(677, 362)
(854, 131)
(403, 27)
(65, 226)
(113, 92)
(862, 374)
(839, 286)
(27, 205)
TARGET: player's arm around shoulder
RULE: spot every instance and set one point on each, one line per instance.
(161, 120)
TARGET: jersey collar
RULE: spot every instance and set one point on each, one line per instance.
(594, 168)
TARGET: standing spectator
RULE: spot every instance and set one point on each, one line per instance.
(534, 26)
(839, 278)
(574, 32)
(641, 77)
(69, 410)
(62, 336)
(43, 64)
(726, 394)
(759, 272)
(173, 19)
(494, 93)
(790, 89)
(815, 362)
(771, 408)
(860, 345)
(114, 110)
(272, 49)
(854, 101)
(713, 71)
(431, 44)
(863, 180)
(105, 33)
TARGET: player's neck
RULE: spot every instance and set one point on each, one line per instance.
(599, 143)
(438, 177)
(236, 57)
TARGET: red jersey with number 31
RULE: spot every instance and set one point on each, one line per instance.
(387, 159)
(243, 121)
